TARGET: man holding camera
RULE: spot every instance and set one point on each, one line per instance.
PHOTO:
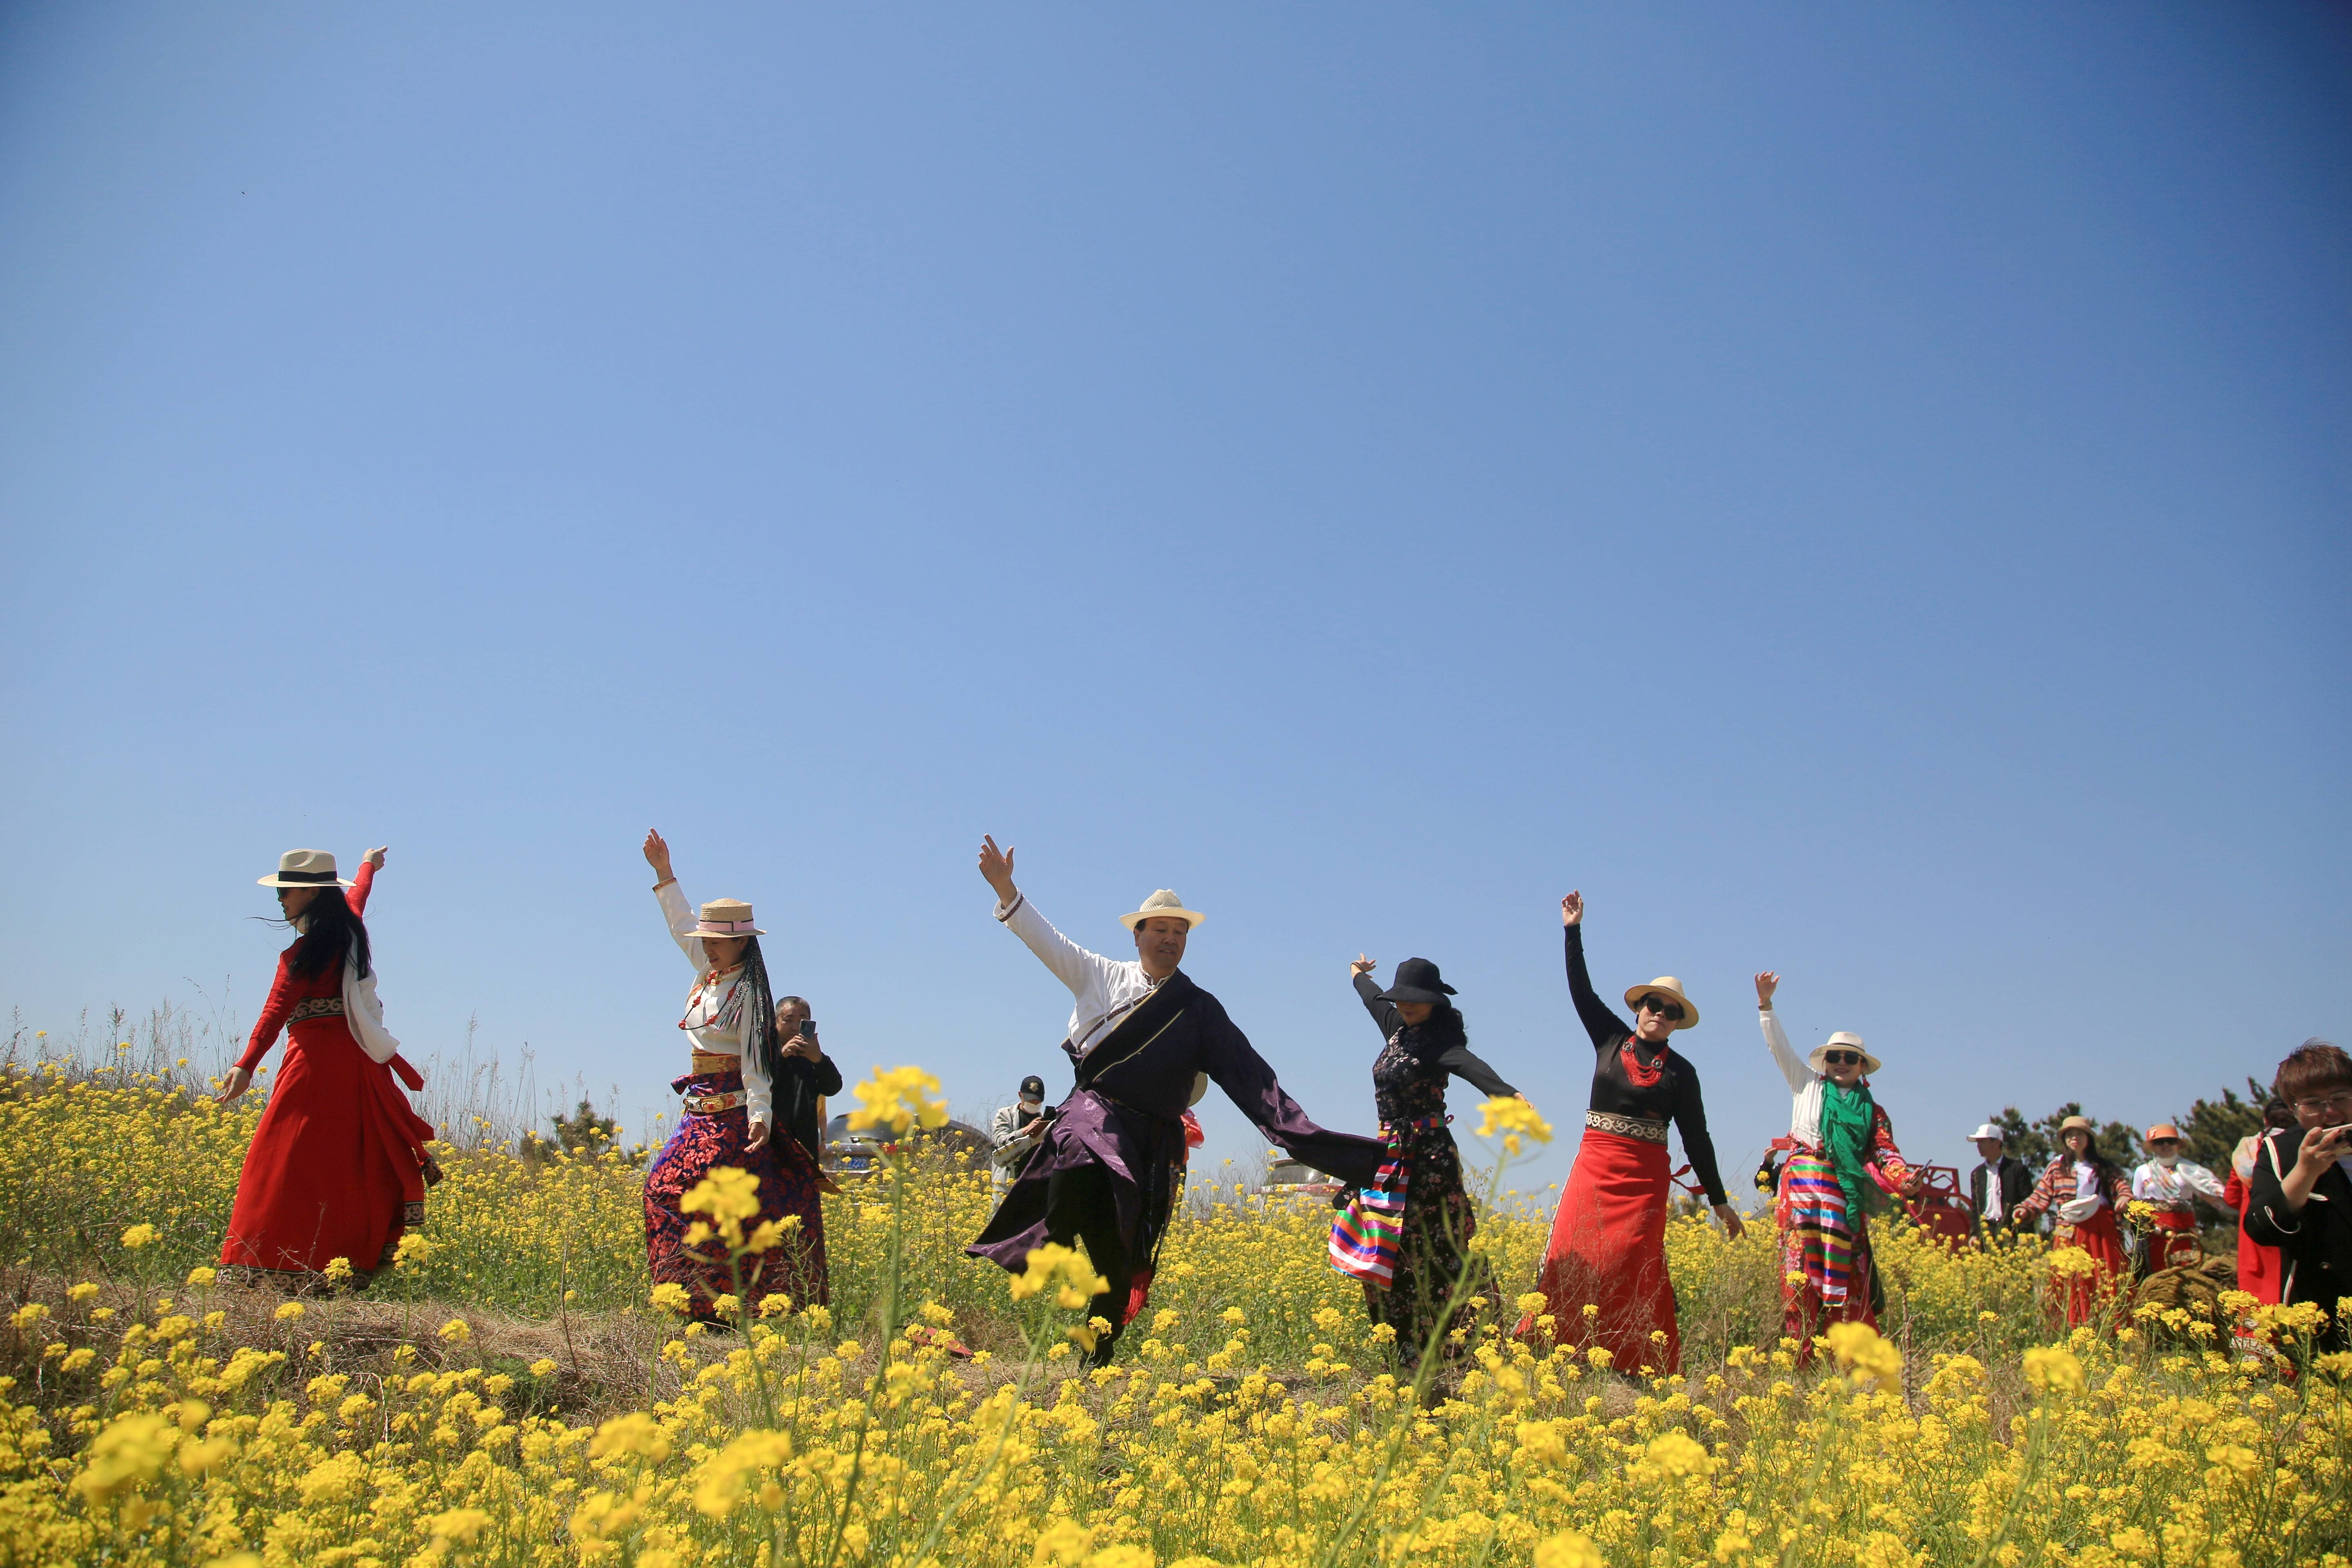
(808, 1075)
(1018, 1129)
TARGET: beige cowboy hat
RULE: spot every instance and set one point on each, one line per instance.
(2071, 1123)
(1870, 1064)
(1666, 985)
(726, 916)
(304, 868)
(1163, 903)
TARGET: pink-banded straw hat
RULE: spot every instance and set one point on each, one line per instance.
(726, 916)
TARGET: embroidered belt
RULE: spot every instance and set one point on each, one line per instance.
(1626, 1126)
(316, 1007)
(712, 1104)
(711, 1061)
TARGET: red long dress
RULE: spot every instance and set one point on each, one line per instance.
(336, 1168)
(2259, 1271)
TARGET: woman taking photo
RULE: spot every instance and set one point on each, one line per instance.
(2084, 1188)
(337, 1169)
(1604, 1271)
(728, 1114)
(1405, 1237)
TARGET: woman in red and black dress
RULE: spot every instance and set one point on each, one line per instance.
(1608, 1247)
(2084, 1188)
(729, 1116)
(337, 1169)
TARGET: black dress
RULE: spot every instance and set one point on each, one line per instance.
(1408, 1079)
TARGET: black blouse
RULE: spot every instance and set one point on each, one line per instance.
(1405, 1086)
(1674, 1098)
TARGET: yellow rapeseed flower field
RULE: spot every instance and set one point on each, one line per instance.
(155, 1411)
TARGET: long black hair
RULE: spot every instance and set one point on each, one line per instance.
(1437, 1034)
(331, 932)
(760, 1014)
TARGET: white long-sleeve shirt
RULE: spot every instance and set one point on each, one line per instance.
(714, 1008)
(1804, 1083)
(2153, 1184)
(1104, 990)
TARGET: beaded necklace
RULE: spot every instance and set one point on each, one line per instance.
(1642, 1076)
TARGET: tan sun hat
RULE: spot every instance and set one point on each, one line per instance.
(2084, 1122)
(1870, 1064)
(1665, 986)
(1163, 904)
(304, 868)
(726, 916)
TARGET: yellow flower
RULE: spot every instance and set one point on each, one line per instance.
(543, 1367)
(900, 1099)
(1677, 1454)
(201, 1275)
(671, 1297)
(139, 1236)
(338, 1271)
(1512, 1117)
(725, 1476)
(1053, 1262)
(458, 1524)
(456, 1331)
(288, 1312)
(1570, 1550)
(1861, 1351)
(2053, 1369)
(1062, 1543)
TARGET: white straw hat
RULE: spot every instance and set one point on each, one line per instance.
(1665, 986)
(304, 868)
(726, 916)
(1163, 903)
(1870, 1064)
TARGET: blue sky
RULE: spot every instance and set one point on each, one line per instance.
(1861, 490)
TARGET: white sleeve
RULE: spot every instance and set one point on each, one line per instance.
(758, 1093)
(680, 916)
(1073, 965)
(2202, 1180)
(2143, 1185)
(1792, 1065)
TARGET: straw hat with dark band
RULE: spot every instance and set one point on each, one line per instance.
(1163, 904)
(726, 916)
(304, 868)
(1665, 986)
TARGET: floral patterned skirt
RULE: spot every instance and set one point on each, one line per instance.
(791, 1185)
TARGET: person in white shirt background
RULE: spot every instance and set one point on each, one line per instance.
(1998, 1183)
(2172, 1184)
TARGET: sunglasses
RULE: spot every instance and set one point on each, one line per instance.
(1662, 1008)
(1842, 1058)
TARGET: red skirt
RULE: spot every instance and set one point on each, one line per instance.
(2098, 1236)
(337, 1165)
(1608, 1252)
(2174, 1243)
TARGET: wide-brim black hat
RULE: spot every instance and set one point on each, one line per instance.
(1417, 980)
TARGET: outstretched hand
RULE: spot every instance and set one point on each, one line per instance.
(996, 866)
(1571, 909)
(1361, 966)
(657, 853)
(375, 857)
(1765, 984)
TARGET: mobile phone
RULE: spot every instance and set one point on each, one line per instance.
(808, 1028)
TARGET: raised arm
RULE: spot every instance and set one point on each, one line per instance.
(1602, 1025)
(1793, 1066)
(1073, 965)
(1383, 1010)
(675, 912)
(363, 881)
(1465, 1064)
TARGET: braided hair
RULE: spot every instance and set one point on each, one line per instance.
(759, 1014)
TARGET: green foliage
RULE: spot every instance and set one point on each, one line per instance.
(2036, 1142)
(582, 1132)
(2210, 1132)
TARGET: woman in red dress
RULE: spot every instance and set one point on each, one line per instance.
(1604, 1272)
(2082, 1187)
(2260, 1272)
(337, 1167)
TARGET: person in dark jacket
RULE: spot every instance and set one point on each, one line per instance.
(2301, 1201)
(1406, 1236)
(1999, 1183)
(805, 1077)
